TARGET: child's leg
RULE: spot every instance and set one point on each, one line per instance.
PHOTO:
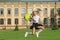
(27, 33)
(33, 30)
(37, 33)
(41, 28)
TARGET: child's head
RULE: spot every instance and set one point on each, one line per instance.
(35, 12)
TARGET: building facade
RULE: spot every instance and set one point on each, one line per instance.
(12, 12)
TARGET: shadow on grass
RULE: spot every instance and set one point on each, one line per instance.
(2, 39)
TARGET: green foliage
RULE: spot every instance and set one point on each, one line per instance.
(16, 28)
(54, 26)
(58, 11)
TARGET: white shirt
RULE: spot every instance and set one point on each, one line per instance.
(36, 19)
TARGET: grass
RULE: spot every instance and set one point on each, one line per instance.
(19, 35)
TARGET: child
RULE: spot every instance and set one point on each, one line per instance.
(36, 24)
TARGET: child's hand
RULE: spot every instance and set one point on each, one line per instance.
(31, 17)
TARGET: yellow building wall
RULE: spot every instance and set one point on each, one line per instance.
(20, 5)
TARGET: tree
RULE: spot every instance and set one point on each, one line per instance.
(54, 27)
(58, 11)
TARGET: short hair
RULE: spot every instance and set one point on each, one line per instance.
(35, 11)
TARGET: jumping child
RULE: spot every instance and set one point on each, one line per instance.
(35, 24)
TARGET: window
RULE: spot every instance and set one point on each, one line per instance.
(16, 20)
(52, 21)
(9, 21)
(1, 10)
(1, 21)
(45, 21)
(52, 12)
(38, 9)
(30, 10)
(45, 10)
(16, 10)
(23, 10)
(9, 10)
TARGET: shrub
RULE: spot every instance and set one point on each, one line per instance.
(16, 28)
(54, 26)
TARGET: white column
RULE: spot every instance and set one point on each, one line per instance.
(41, 14)
(20, 20)
(48, 14)
(5, 15)
(12, 15)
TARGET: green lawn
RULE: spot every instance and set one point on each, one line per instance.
(19, 35)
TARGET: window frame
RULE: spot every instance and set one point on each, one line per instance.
(45, 10)
(9, 21)
(16, 22)
(16, 9)
(30, 10)
(23, 9)
(45, 21)
(1, 11)
(9, 11)
(1, 21)
(51, 13)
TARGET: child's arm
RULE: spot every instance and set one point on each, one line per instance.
(31, 17)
